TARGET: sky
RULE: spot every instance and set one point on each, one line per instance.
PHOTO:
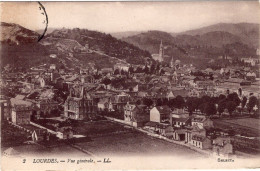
(130, 16)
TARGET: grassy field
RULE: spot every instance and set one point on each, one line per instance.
(98, 128)
(243, 126)
(136, 144)
(246, 122)
(110, 139)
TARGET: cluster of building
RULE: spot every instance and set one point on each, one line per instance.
(46, 91)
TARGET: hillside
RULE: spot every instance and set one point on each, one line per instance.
(207, 43)
(99, 42)
(15, 34)
(74, 48)
(248, 32)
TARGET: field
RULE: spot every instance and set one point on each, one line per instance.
(246, 122)
(109, 139)
(136, 144)
(11, 136)
(98, 128)
(244, 126)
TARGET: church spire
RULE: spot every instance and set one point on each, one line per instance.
(161, 52)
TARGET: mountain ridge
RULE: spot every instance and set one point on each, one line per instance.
(81, 45)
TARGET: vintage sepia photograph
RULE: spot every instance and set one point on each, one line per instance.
(130, 85)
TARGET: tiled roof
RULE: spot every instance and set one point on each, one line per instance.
(180, 119)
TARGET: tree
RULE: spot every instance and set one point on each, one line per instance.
(171, 103)
(165, 101)
(152, 69)
(147, 102)
(221, 106)
(139, 70)
(214, 100)
(210, 109)
(231, 106)
(138, 102)
(159, 102)
(192, 104)
(116, 72)
(243, 102)
(205, 99)
(202, 107)
(251, 103)
(106, 81)
(233, 97)
(122, 72)
(179, 102)
(189, 105)
(221, 97)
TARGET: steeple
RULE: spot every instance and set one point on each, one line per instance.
(161, 52)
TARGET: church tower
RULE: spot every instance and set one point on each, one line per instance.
(161, 52)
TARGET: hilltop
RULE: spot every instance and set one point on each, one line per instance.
(74, 48)
(15, 34)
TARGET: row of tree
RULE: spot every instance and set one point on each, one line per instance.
(206, 104)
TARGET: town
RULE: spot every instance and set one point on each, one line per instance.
(214, 111)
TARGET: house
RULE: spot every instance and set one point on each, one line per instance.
(181, 122)
(107, 71)
(160, 114)
(79, 105)
(170, 95)
(87, 79)
(118, 102)
(65, 133)
(201, 142)
(46, 107)
(192, 131)
(121, 66)
(136, 115)
(165, 130)
(21, 114)
(222, 146)
(180, 118)
(151, 126)
(202, 121)
(179, 134)
(251, 76)
(102, 105)
(159, 128)
(181, 92)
